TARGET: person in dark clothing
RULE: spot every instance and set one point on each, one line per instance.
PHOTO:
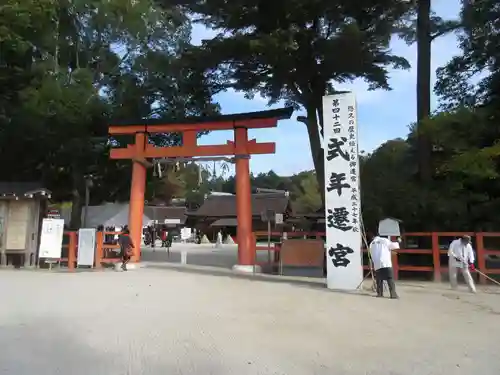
(170, 238)
(126, 247)
(152, 234)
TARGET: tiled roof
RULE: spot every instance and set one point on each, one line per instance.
(22, 189)
(161, 213)
(225, 205)
(225, 222)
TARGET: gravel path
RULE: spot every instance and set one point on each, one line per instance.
(171, 322)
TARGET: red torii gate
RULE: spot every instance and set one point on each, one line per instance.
(241, 148)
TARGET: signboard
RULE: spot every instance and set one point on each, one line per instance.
(185, 234)
(172, 221)
(267, 215)
(54, 214)
(17, 225)
(86, 247)
(342, 198)
(389, 227)
(51, 238)
(278, 218)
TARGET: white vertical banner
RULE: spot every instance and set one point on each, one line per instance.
(342, 196)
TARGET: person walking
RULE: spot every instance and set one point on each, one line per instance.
(126, 247)
(461, 257)
(380, 253)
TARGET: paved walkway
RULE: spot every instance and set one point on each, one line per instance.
(173, 321)
(224, 256)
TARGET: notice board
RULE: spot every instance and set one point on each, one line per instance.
(51, 239)
(86, 247)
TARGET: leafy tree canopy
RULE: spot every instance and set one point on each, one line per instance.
(68, 68)
(295, 51)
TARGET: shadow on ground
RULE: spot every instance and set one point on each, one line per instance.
(316, 284)
(45, 347)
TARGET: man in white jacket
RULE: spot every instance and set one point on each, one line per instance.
(380, 252)
(461, 257)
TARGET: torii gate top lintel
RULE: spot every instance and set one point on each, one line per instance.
(190, 127)
(249, 120)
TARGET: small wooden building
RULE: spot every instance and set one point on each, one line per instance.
(218, 212)
(117, 214)
(22, 208)
(172, 216)
(311, 222)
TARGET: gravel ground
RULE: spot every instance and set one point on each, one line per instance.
(168, 322)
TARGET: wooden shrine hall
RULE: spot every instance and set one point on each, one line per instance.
(240, 149)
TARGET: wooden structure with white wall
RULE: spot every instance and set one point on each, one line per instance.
(22, 205)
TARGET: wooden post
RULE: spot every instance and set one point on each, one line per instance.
(99, 249)
(246, 247)
(72, 251)
(436, 257)
(136, 209)
(481, 260)
(395, 262)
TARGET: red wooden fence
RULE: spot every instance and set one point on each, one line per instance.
(437, 250)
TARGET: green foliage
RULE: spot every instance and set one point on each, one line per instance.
(69, 68)
(480, 58)
(463, 193)
(465, 161)
(295, 51)
(303, 187)
(407, 27)
(305, 192)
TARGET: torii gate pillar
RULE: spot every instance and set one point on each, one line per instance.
(136, 208)
(246, 245)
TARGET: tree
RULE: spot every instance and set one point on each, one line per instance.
(463, 192)
(423, 27)
(294, 51)
(306, 197)
(72, 66)
(479, 61)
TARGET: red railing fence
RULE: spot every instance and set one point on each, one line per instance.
(411, 258)
(415, 248)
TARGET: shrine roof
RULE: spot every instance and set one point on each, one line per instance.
(161, 213)
(22, 189)
(277, 114)
(225, 205)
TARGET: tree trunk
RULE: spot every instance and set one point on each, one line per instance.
(316, 150)
(76, 203)
(76, 210)
(424, 41)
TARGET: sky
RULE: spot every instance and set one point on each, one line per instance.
(382, 115)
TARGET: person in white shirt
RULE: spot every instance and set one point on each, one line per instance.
(461, 257)
(380, 253)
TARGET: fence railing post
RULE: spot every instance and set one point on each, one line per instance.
(481, 260)
(436, 257)
(395, 261)
(99, 249)
(72, 251)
